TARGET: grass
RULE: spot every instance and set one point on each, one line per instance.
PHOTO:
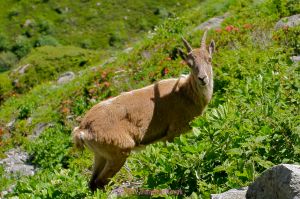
(251, 124)
(93, 25)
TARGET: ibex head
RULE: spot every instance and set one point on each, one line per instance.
(199, 60)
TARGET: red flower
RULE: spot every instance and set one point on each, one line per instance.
(106, 84)
(229, 28)
(247, 26)
(218, 30)
(104, 75)
(235, 29)
(164, 71)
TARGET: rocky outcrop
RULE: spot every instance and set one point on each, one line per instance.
(279, 182)
(290, 21)
(16, 163)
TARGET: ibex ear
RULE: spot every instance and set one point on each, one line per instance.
(182, 54)
(211, 48)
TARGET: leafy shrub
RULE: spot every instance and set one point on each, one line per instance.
(24, 111)
(286, 7)
(289, 37)
(45, 27)
(5, 86)
(46, 41)
(22, 46)
(48, 152)
(54, 183)
(7, 60)
(4, 43)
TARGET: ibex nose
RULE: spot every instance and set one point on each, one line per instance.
(203, 79)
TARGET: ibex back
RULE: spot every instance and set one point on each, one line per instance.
(162, 111)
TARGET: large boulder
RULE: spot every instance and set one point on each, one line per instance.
(279, 182)
(290, 21)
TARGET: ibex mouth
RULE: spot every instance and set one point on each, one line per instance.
(203, 81)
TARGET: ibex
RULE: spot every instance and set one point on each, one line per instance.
(161, 111)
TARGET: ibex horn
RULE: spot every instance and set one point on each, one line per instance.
(187, 45)
(203, 40)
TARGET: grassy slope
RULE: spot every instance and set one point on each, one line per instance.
(94, 25)
(253, 113)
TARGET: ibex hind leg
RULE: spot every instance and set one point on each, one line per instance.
(111, 167)
(99, 163)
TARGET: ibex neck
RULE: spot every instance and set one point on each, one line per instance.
(200, 95)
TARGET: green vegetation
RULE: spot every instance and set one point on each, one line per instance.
(251, 124)
(89, 24)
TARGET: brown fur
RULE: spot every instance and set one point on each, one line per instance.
(160, 111)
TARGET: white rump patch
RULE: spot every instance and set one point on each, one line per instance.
(81, 135)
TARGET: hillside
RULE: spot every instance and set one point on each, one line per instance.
(100, 27)
(252, 123)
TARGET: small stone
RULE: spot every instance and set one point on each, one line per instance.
(11, 125)
(66, 77)
(22, 69)
(291, 21)
(295, 58)
(146, 54)
(28, 23)
(128, 50)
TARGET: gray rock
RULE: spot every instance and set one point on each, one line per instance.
(11, 125)
(279, 182)
(108, 61)
(28, 23)
(66, 77)
(231, 194)
(295, 58)
(290, 21)
(214, 22)
(39, 128)
(16, 163)
(22, 69)
(146, 54)
(29, 120)
(128, 50)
